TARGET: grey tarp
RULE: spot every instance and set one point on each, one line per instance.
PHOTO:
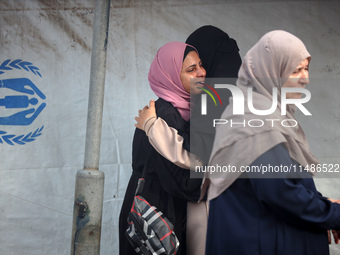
(42, 134)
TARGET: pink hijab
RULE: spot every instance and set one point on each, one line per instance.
(164, 77)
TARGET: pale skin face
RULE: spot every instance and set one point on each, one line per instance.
(192, 70)
(298, 79)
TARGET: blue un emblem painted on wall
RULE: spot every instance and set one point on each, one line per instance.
(21, 102)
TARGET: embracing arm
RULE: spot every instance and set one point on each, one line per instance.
(163, 138)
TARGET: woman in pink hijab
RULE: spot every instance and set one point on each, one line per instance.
(175, 72)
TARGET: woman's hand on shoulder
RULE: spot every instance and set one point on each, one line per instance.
(145, 115)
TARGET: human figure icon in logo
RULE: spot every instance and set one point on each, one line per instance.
(25, 86)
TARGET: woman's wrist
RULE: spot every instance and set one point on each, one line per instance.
(148, 124)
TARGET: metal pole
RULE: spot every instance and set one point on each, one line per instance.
(89, 190)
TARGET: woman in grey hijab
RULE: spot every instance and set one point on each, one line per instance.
(277, 211)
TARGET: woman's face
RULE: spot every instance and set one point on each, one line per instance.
(192, 73)
(298, 79)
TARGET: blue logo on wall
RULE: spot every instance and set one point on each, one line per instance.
(22, 103)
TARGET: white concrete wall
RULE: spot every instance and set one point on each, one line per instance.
(37, 177)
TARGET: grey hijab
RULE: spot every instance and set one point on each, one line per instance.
(266, 65)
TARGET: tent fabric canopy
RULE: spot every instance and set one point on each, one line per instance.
(45, 47)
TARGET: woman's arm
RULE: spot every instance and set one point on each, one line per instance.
(293, 196)
(175, 180)
(164, 139)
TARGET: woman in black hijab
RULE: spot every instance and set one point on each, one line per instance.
(221, 60)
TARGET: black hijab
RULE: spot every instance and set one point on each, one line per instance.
(221, 59)
(218, 52)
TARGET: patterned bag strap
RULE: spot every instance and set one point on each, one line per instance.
(140, 186)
